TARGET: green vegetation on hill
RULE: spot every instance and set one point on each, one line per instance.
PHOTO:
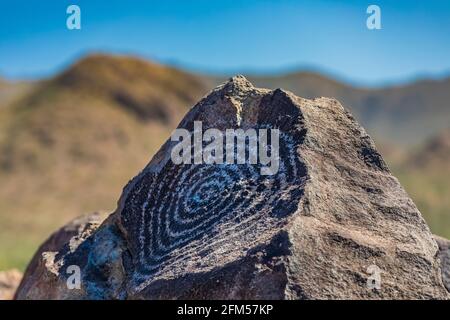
(425, 174)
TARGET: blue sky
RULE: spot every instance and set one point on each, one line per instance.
(233, 36)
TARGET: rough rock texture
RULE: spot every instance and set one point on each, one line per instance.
(9, 281)
(444, 255)
(39, 276)
(315, 230)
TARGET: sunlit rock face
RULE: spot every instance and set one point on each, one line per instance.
(330, 223)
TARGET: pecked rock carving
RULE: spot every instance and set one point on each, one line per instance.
(316, 229)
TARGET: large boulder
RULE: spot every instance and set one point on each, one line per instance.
(331, 223)
(9, 281)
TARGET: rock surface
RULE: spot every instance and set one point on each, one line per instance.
(38, 277)
(9, 281)
(330, 224)
(444, 256)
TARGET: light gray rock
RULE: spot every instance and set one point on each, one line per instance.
(9, 281)
(331, 224)
(444, 256)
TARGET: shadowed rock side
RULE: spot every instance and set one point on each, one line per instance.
(444, 256)
(313, 230)
(38, 279)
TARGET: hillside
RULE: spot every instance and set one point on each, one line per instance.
(425, 174)
(434, 154)
(68, 146)
(9, 91)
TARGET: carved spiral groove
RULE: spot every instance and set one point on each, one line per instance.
(185, 210)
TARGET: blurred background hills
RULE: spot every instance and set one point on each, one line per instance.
(68, 144)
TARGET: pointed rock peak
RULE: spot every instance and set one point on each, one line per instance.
(237, 85)
(239, 79)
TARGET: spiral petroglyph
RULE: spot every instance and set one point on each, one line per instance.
(188, 215)
(191, 208)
